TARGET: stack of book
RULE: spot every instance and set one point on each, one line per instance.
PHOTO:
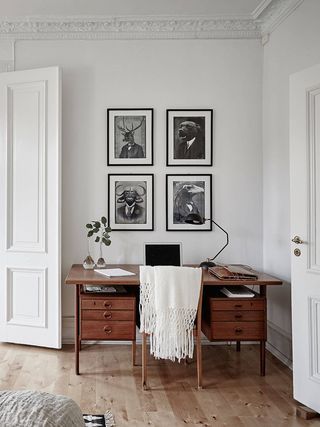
(104, 289)
(232, 272)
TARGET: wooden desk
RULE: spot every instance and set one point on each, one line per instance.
(224, 319)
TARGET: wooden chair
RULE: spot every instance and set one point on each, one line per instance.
(196, 334)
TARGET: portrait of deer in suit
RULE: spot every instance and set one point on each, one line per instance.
(131, 149)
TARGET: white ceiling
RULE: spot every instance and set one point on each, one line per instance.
(15, 8)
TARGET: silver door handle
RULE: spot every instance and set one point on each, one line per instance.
(297, 240)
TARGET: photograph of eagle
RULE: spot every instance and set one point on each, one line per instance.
(188, 198)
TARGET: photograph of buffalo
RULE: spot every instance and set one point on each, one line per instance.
(131, 202)
(189, 137)
(188, 197)
(130, 137)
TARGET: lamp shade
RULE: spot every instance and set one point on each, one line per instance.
(194, 219)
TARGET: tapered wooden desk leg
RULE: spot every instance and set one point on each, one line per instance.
(262, 358)
(199, 366)
(199, 362)
(134, 349)
(238, 345)
(144, 361)
(77, 329)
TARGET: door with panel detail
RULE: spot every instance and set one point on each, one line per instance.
(30, 278)
(305, 230)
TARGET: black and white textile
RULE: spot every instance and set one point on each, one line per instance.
(105, 420)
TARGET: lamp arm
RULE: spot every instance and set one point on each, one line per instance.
(227, 242)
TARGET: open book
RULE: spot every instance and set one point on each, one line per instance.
(232, 272)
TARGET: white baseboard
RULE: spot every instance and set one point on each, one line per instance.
(67, 329)
(279, 343)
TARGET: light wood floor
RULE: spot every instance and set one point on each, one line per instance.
(234, 394)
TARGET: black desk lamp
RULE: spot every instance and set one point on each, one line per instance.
(196, 219)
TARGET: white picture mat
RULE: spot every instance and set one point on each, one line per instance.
(207, 196)
(148, 149)
(113, 201)
(208, 133)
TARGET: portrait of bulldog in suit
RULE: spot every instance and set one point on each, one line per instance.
(189, 138)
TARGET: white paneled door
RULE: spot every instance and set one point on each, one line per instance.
(305, 230)
(30, 279)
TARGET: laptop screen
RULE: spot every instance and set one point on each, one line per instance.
(162, 254)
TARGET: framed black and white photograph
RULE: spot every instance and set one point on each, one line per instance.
(189, 137)
(130, 136)
(130, 202)
(187, 194)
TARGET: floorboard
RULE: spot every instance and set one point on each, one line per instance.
(234, 394)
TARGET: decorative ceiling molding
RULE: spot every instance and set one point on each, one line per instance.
(275, 13)
(260, 8)
(264, 19)
(6, 55)
(154, 27)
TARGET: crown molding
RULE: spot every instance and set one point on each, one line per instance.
(263, 20)
(6, 56)
(132, 27)
(274, 13)
(6, 65)
(260, 8)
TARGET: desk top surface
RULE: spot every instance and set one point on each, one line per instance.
(79, 276)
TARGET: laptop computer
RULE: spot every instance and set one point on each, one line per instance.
(162, 254)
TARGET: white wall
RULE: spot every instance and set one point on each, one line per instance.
(292, 47)
(225, 75)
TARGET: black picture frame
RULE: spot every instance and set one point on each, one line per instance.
(123, 124)
(123, 217)
(176, 205)
(198, 150)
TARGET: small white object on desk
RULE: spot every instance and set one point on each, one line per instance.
(237, 292)
(114, 272)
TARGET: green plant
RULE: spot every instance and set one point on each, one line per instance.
(101, 230)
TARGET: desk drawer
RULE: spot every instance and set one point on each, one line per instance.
(107, 315)
(108, 303)
(238, 330)
(232, 304)
(107, 330)
(236, 316)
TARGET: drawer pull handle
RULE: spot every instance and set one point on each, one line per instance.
(107, 330)
(238, 305)
(107, 315)
(238, 330)
(108, 304)
(238, 316)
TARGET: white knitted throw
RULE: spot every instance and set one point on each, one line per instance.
(168, 306)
